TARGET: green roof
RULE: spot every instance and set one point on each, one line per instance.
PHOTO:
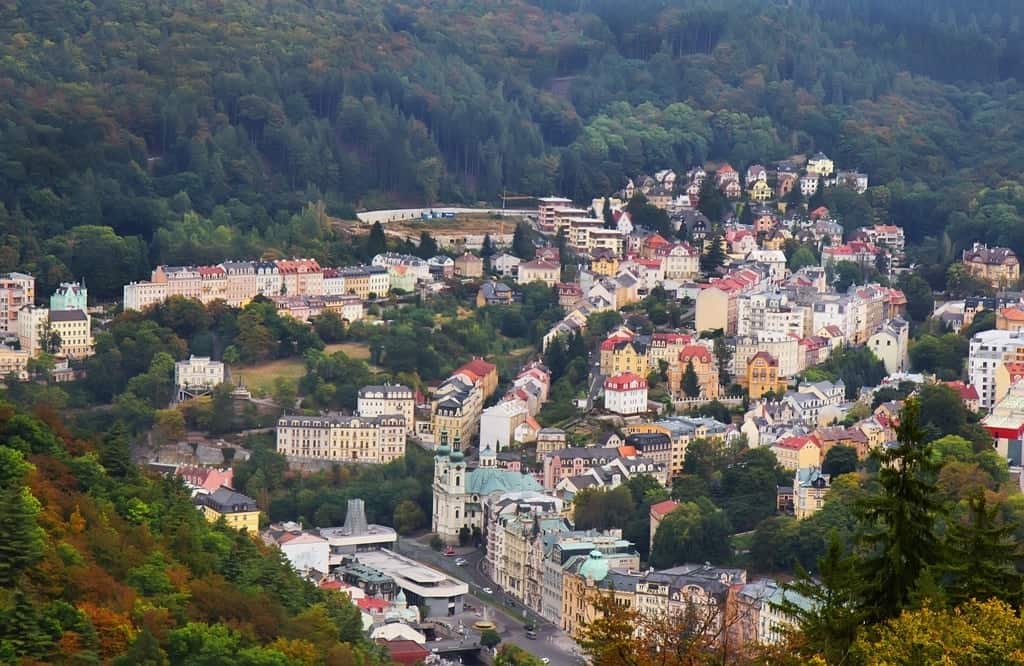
(487, 480)
(595, 568)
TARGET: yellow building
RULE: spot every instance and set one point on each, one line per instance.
(13, 361)
(820, 165)
(238, 510)
(760, 191)
(605, 263)
(584, 579)
(704, 367)
(763, 375)
(795, 453)
(996, 265)
(624, 356)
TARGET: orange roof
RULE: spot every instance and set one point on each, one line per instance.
(479, 367)
(768, 358)
(1013, 314)
(699, 352)
(726, 168)
(655, 240)
(968, 392)
(795, 443)
(627, 450)
(662, 509)
(622, 381)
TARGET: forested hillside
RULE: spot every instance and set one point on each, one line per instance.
(100, 564)
(130, 130)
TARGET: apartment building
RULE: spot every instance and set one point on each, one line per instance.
(388, 400)
(360, 439)
(769, 312)
(998, 266)
(986, 353)
(16, 291)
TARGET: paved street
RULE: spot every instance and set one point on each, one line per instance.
(551, 642)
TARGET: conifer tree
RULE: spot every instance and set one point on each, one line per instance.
(714, 257)
(114, 451)
(691, 384)
(981, 556)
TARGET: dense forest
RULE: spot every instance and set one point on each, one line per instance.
(102, 564)
(138, 132)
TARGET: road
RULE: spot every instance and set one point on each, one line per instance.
(596, 382)
(551, 642)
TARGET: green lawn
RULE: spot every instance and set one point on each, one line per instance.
(259, 378)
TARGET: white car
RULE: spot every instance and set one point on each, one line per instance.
(545, 660)
(461, 562)
(486, 590)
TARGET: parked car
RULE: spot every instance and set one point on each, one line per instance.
(460, 562)
(487, 590)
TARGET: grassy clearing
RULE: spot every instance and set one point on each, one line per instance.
(259, 378)
(355, 350)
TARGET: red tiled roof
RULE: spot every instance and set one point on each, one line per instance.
(699, 352)
(662, 509)
(795, 443)
(478, 367)
(769, 359)
(372, 603)
(1013, 314)
(622, 381)
(966, 391)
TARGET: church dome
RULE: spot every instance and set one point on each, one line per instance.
(595, 568)
(442, 451)
(457, 455)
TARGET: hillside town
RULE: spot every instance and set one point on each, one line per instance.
(776, 330)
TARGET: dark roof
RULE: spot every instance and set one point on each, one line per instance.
(68, 315)
(225, 500)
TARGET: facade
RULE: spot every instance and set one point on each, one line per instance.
(987, 351)
(785, 349)
(704, 367)
(238, 510)
(359, 439)
(768, 312)
(996, 265)
(74, 327)
(549, 440)
(499, 422)
(819, 164)
(625, 393)
(539, 270)
(795, 453)
(1006, 425)
(197, 376)
(388, 400)
(809, 488)
(69, 296)
(469, 266)
(763, 375)
(13, 362)
(890, 346)
(16, 291)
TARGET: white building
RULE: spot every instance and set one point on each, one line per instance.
(890, 345)
(498, 423)
(834, 310)
(343, 438)
(987, 352)
(388, 399)
(625, 393)
(768, 312)
(307, 552)
(197, 376)
(32, 322)
(783, 348)
(775, 260)
(505, 264)
(141, 295)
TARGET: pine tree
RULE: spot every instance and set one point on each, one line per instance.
(522, 247)
(691, 385)
(900, 542)
(714, 257)
(376, 243)
(114, 451)
(22, 542)
(606, 214)
(427, 247)
(487, 249)
(981, 557)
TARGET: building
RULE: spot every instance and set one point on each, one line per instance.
(809, 488)
(546, 211)
(569, 462)
(13, 362)
(888, 236)
(785, 349)
(986, 352)
(658, 513)
(62, 332)
(625, 393)
(539, 270)
(549, 440)
(238, 511)
(494, 293)
(69, 296)
(768, 312)
(1006, 425)
(141, 295)
(461, 494)
(421, 585)
(197, 376)
(388, 400)
(505, 264)
(241, 282)
(819, 164)
(469, 266)
(1010, 319)
(621, 352)
(379, 439)
(890, 346)
(704, 367)
(356, 535)
(763, 376)
(306, 551)
(996, 265)
(16, 291)
(798, 452)
(499, 422)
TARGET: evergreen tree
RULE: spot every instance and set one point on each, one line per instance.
(487, 250)
(723, 354)
(981, 557)
(606, 214)
(713, 259)
(22, 542)
(555, 358)
(376, 243)
(144, 651)
(691, 385)
(115, 455)
(522, 246)
(712, 202)
(900, 541)
(427, 247)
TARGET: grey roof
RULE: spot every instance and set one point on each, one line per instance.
(225, 500)
(68, 315)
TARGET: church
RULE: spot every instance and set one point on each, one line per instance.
(461, 492)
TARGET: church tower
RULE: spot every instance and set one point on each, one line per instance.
(449, 493)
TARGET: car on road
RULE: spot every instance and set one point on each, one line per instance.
(460, 562)
(486, 590)
(449, 552)
(545, 660)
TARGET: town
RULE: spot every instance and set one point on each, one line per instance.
(679, 381)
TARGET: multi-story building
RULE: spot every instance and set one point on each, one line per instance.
(74, 329)
(242, 285)
(469, 266)
(625, 393)
(987, 351)
(797, 452)
(302, 277)
(809, 488)
(682, 430)
(814, 402)
(141, 295)
(768, 312)
(70, 296)
(763, 375)
(681, 262)
(819, 164)
(379, 439)
(547, 208)
(550, 440)
(565, 546)
(998, 266)
(268, 278)
(238, 510)
(499, 422)
(888, 236)
(539, 270)
(834, 310)
(181, 281)
(517, 525)
(388, 400)
(704, 367)
(13, 362)
(574, 461)
(213, 283)
(785, 349)
(197, 376)
(856, 252)
(16, 291)
(890, 345)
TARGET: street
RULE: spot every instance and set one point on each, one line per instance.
(551, 642)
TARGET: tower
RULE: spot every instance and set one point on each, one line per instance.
(488, 456)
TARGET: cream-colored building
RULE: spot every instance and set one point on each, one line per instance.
(196, 376)
(342, 438)
(713, 310)
(809, 488)
(13, 362)
(785, 349)
(71, 327)
(795, 453)
(820, 165)
(388, 399)
(539, 270)
(890, 346)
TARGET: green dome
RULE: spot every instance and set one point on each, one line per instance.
(595, 568)
(442, 451)
(457, 455)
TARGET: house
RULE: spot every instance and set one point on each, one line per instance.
(797, 452)
(809, 185)
(763, 375)
(809, 488)
(996, 265)
(703, 365)
(505, 264)
(569, 294)
(756, 173)
(539, 270)
(494, 293)
(1006, 424)
(890, 346)
(820, 165)
(197, 376)
(968, 394)
(238, 511)
(205, 479)
(604, 262)
(760, 191)
(1010, 319)
(625, 393)
(469, 266)
(658, 513)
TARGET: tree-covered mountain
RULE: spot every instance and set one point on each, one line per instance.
(102, 564)
(211, 124)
